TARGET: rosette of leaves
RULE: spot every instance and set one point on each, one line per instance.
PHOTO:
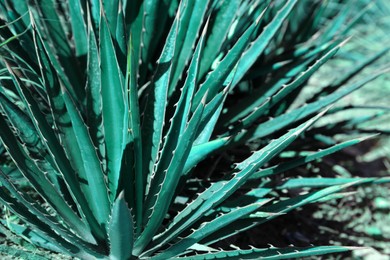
(107, 108)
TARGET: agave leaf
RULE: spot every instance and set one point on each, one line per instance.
(219, 29)
(356, 18)
(181, 115)
(228, 207)
(8, 231)
(14, 37)
(205, 229)
(60, 56)
(252, 196)
(293, 203)
(45, 217)
(323, 182)
(207, 128)
(134, 19)
(26, 131)
(191, 80)
(167, 180)
(212, 110)
(320, 13)
(286, 90)
(347, 126)
(189, 27)
(154, 117)
(202, 248)
(281, 207)
(41, 227)
(95, 13)
(120, 38)
(133, 172)
(75, 87)
(40, 182)
(77, 141)
(20, 8)
(246, 14)
(152, 20)
(12, 172)
(260, 95)
(217, 77)
(114, 106)
(78, 26)
(62, 119)
(297, 114)
(355, 122)
(58, 155)
(220, 191)
(23, 46)
(94, 100)
(111, 10)
(270, 253)
(212, 113)
(276, 146)
(305, 28)
(48, 11)
(120, 230)
(201, 151)
(99, 201)
(306, 159)
(180, 118)
(259, 45)
(335, 196)
(31, 236)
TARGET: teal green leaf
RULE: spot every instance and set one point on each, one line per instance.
(215, 79)
(282, 207)
(218, 33)
(40, 182)
(270, 253)
(100, 203)
(285, 90)
(79, 28)
(134, 138)
(220, 191)
(120, 230)
(297, 114)
(60, 57)
(324, 182)
(93, 91)
(201, 151)
(41, 227)
(31, 235)
(111, 11)
(258, 46)
(305, 159)
(114, 106)
(168, 180)
(53, 146)
(205, 229)
(189, 27)
(154, 117)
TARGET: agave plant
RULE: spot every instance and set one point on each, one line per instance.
(107, 108)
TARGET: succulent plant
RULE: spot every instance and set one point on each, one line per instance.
(107, 108)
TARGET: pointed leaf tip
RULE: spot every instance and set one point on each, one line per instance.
(121, 230)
